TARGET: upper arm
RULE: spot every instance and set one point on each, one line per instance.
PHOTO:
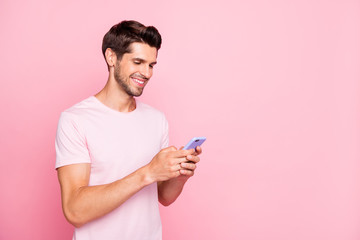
(70, 142)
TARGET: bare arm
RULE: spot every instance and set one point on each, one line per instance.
(82, 203)
(169, 191)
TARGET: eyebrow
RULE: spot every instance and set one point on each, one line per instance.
(143, 60)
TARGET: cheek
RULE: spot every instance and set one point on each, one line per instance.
(131, 70)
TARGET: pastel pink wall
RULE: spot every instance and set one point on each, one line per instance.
(273, 85)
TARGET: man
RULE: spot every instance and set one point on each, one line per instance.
(112, 157)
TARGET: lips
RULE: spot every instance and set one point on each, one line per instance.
(138, 81)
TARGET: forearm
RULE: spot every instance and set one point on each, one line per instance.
(169, 191)
(90, 202)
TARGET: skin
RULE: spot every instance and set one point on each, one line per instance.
(170, 168)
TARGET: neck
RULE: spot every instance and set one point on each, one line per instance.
(113, 96)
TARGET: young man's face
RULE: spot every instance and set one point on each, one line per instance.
(135, 69)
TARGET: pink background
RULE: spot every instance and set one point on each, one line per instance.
(273, 85)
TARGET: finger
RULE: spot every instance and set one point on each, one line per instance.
(176, 174)
(184, 153)
(186, 172)
(198, 150)
(181, 147)
(176, 161)
(176, 167)
(188, 166)
(193, 158)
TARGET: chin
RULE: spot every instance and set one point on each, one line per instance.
(138, 94)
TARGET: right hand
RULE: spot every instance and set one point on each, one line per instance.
(167, 163)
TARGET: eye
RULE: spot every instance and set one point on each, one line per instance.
(151, 66)
(137, 62)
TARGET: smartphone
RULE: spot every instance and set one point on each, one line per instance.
(196, 141)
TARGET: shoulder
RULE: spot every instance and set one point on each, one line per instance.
(82, 107)
(76, 113)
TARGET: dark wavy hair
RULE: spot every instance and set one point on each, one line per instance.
(121, 35)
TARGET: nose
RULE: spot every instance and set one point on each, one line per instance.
(146, 71)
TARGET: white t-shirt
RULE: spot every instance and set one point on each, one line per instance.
(116, 144)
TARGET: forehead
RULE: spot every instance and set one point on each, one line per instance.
(143, 51)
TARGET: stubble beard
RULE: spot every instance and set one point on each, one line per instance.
(126, 86)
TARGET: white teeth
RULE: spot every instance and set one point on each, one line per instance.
(138, 81)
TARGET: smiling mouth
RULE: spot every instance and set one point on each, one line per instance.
(140, 82)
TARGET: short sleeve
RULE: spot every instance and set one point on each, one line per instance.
(165, 134)
(70, 142)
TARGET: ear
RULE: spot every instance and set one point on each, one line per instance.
(110, 57)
